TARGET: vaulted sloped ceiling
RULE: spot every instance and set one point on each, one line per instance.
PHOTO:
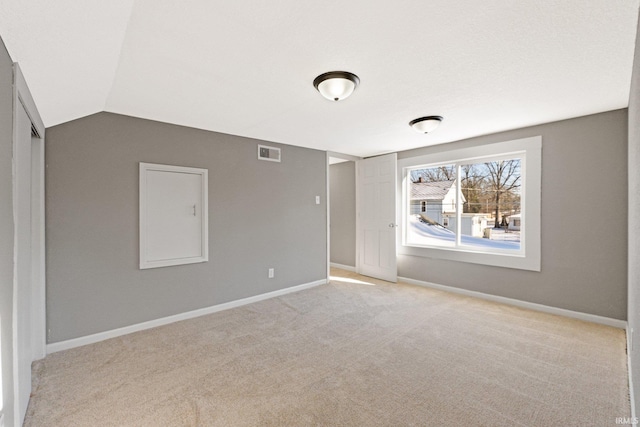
(68, 51)
(246, 67)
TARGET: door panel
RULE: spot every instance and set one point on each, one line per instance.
(175, 228)
(386, 257)
(371, 239)
(376, 217)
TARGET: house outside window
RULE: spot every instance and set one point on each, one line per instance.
(475, 202)
(435, 198)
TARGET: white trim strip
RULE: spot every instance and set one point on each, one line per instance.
(632, 401)
(346, 157)
(343, 267)
(101, 336)
(24, 95)
(616, 323)
(327, 175)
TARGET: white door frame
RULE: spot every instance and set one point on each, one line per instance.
(22, 98)
(328, 196)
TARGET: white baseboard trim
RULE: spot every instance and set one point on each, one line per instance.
(522, 304)
(343, 267)
(101, 336)
(632, 400)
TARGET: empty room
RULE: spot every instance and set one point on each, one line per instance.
(319, 213)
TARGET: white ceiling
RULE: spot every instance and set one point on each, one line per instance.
(246, 67)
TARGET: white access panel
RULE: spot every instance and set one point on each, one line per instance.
(173, 215)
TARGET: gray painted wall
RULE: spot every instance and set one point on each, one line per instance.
(342, 180)
(584, 218)
(634, 220)
(262, 214)
(6, 230)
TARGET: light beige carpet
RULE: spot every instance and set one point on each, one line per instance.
(356, 352)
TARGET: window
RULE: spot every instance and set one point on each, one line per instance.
(488, 189)
(482, 204)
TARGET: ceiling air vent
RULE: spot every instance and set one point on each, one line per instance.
(271, 154)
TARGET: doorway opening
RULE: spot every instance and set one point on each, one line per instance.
(341, 211)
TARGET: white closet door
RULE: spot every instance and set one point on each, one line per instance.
(23, 288)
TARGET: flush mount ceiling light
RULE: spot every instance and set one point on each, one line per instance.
(336, 85)
(425, 124)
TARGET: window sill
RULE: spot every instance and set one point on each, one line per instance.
(517, 261)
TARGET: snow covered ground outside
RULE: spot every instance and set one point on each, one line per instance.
(436, 235)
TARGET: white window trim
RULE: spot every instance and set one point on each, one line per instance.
(528, 258)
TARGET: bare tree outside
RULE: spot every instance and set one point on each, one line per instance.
(503, 179)
(435, 174)
(472, 186)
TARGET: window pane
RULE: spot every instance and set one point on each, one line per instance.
(491, 217)
(432, 202)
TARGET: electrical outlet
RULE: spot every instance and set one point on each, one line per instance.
(272, 272)
(317, 200)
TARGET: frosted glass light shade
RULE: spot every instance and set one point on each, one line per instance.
(425, 124)
(336, 85)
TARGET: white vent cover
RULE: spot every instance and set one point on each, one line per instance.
(271, 154)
